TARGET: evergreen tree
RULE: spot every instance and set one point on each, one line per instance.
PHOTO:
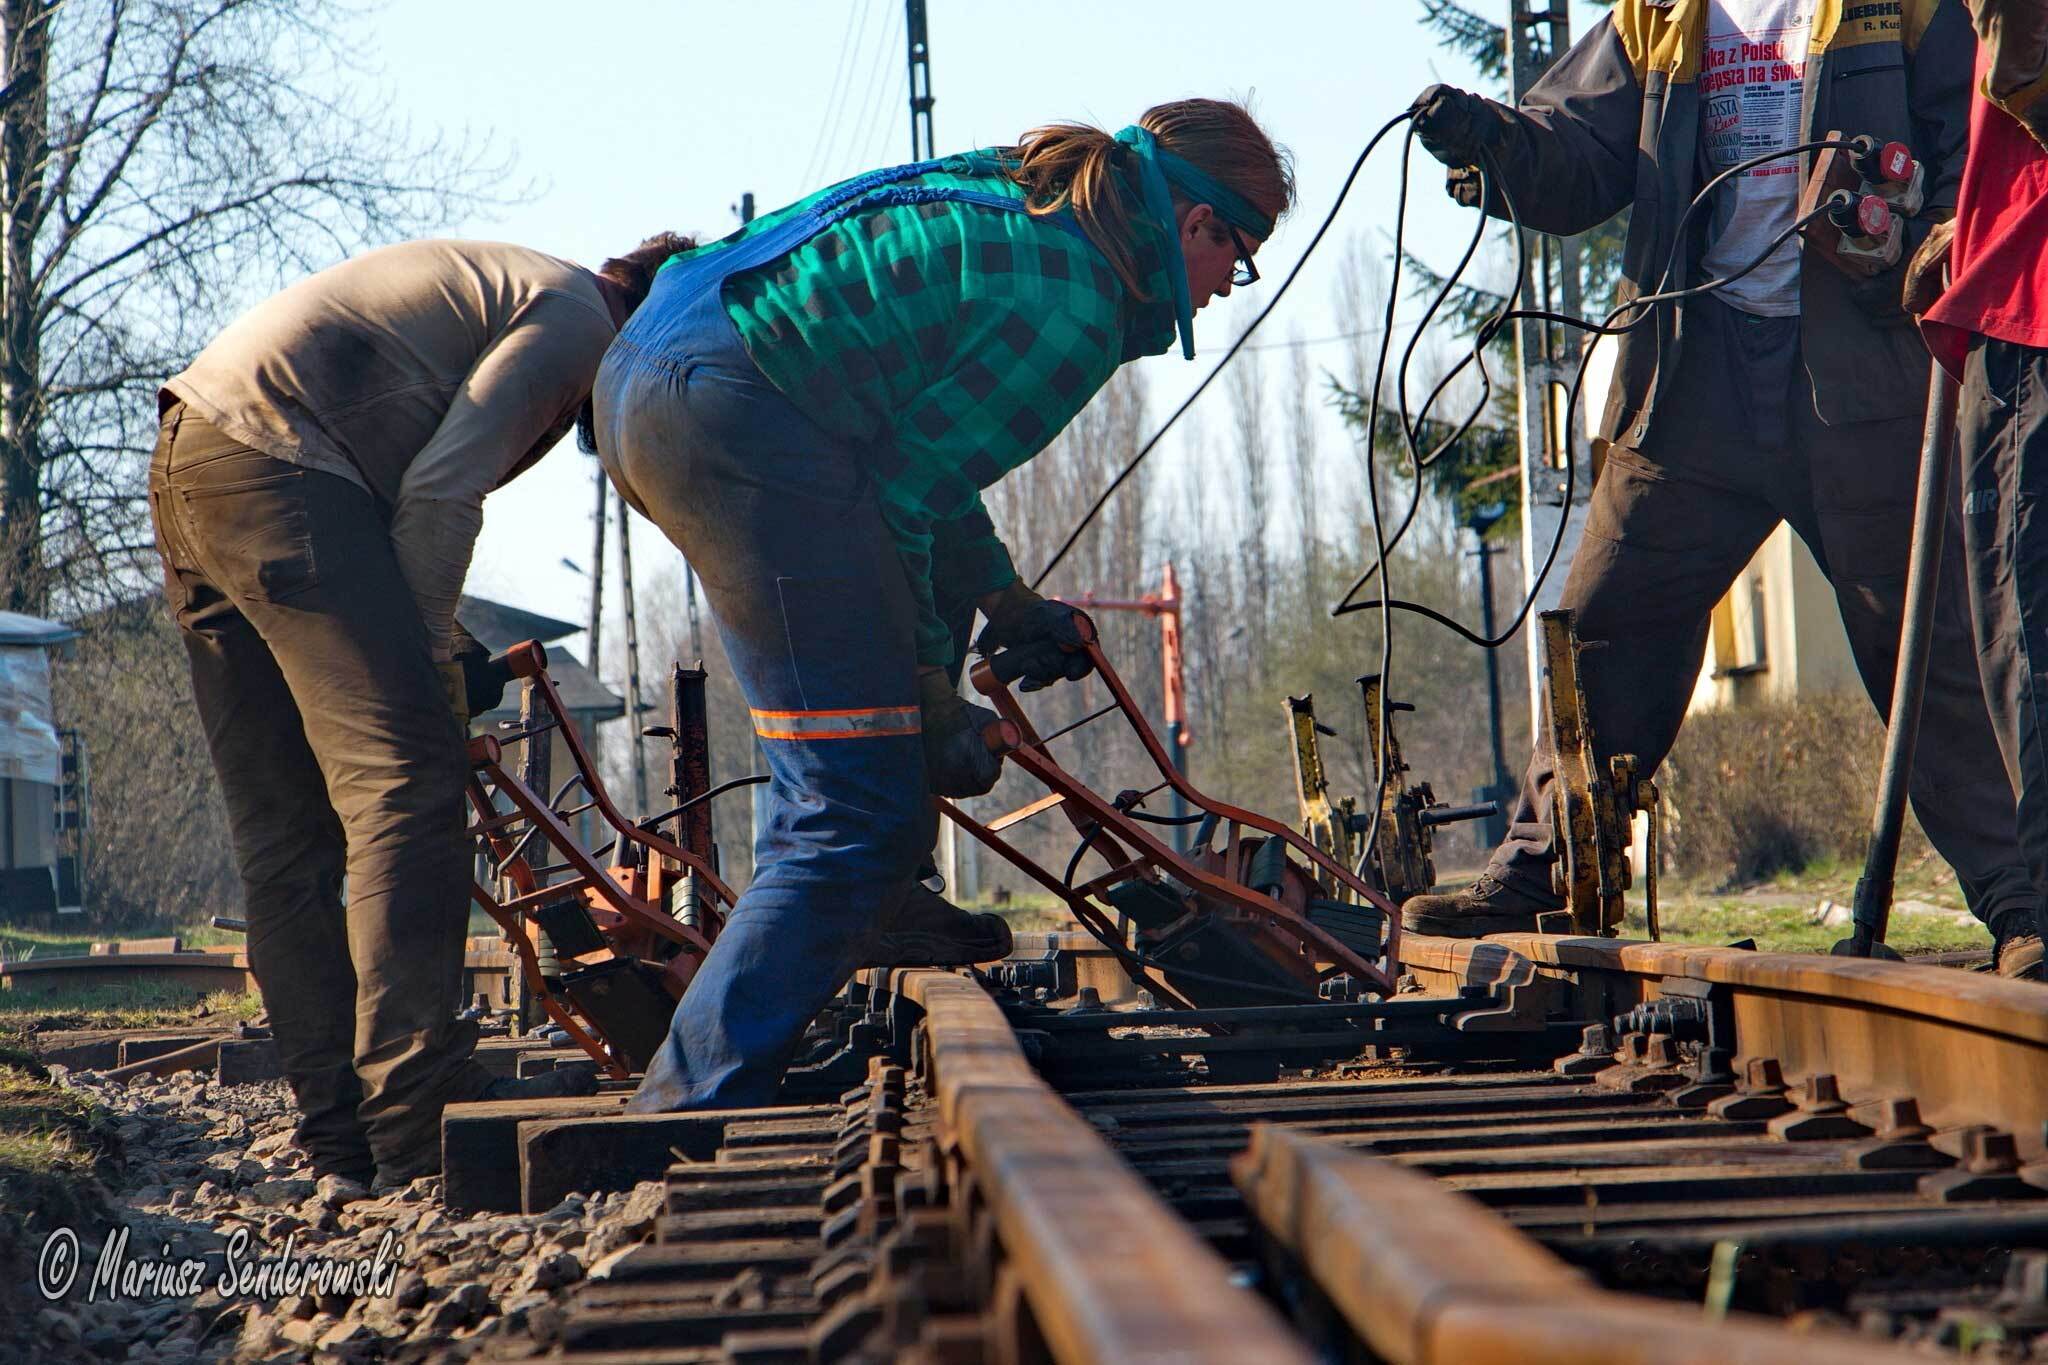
(1473, 471)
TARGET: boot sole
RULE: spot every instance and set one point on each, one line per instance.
(1468, 925)
(919, 950)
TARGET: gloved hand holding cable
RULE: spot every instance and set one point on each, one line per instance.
(1458, 128)
(1042, 637)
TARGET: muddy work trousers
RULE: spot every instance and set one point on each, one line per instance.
(2002, 437)
(1736, 449)
(338, 757)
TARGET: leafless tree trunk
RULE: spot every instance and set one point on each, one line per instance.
(161, 163)
(1247, 385)
(1301, 448)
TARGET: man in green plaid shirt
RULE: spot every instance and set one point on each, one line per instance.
(810, 410)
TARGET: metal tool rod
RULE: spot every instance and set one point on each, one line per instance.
(1873, 901)
(1496, 829)
(640, 801)
(1072, 726)
(596, 627)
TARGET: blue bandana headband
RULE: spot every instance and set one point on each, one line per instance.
(1159, 168)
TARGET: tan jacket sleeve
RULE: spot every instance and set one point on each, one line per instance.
(521, 392)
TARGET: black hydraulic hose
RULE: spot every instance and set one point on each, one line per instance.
(1642, 307)
(701, 797)
(1102, 499)
(1571, 410)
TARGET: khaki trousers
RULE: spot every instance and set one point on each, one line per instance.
(338, 757)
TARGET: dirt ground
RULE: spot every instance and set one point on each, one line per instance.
(185, 1181)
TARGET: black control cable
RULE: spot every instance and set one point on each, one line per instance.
(1643, 308)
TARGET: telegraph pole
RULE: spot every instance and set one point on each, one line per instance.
(597, 577)
(1495, 829)
(958, 872)
(1544, 362)
(920, 80)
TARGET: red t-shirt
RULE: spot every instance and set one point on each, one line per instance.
(1999, 263)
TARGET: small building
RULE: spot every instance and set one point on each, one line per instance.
(1777, 634)
(36, 773)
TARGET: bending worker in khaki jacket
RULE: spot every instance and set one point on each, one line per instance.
(1794, 394)
(317, 489)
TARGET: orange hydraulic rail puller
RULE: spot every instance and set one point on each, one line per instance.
(624, 958)
(1268, 914)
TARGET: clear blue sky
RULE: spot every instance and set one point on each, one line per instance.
(639, 115)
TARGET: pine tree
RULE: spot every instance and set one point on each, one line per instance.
(1472, 471)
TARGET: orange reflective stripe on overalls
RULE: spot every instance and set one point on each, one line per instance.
(864, 722)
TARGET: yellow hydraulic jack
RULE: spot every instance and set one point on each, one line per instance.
(1402, 858)
(1324, 823)
(1592, 812)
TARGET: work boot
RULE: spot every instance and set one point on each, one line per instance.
(2019, 957)
(927, 930)
(1488, 906)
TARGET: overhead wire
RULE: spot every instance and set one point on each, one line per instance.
(814, 165)
(837, 164)
(869, 147)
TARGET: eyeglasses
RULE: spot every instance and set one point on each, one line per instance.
(1246, 272)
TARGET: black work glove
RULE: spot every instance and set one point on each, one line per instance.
(1455, 126)
(483, 684)
(957, 761)
(1040, 634)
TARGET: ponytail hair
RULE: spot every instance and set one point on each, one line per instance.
(634, 271)
(1072, 166)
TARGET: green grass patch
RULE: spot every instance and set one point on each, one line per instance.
(134, 1006)
(1791, 929)
(66, 940)
(1926, 878)
(52, 1143)
(140, 1004)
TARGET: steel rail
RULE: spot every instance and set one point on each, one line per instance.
(1427, 1276)
(1971, 1049)
(1110, 1273)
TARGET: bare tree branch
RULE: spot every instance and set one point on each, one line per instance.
(161, 162)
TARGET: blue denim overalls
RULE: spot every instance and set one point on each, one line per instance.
(779, 520)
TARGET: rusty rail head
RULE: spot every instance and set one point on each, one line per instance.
(1427, 1276)
(1111, 1273)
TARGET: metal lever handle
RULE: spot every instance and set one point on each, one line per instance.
(527, 659)
(1432, 816)
(1001, 736)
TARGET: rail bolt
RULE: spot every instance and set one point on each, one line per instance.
(1596, 1053)
(1762, 1095)
(1822, 1114)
